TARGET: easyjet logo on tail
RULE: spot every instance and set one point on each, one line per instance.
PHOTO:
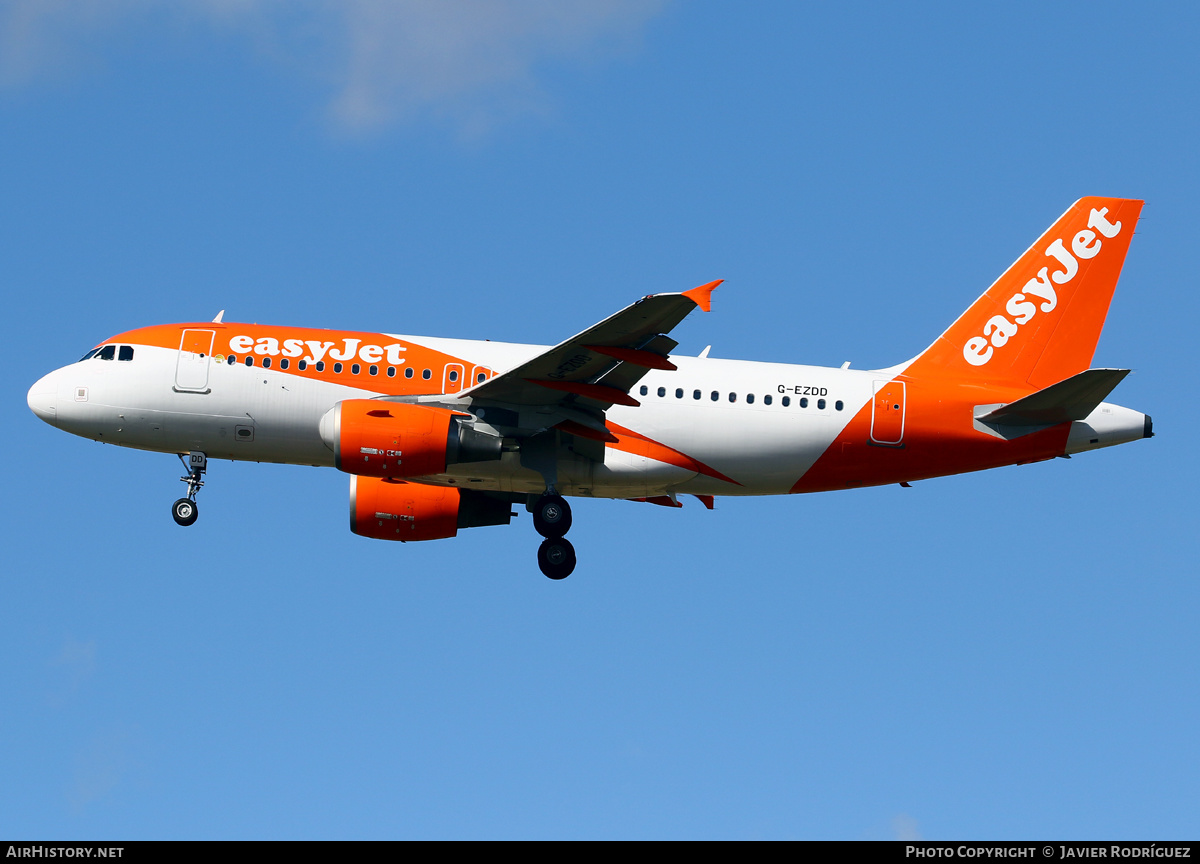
(1085, 245)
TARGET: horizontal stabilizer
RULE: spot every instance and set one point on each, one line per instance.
(1071, 399)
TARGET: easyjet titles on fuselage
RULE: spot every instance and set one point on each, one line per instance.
(267, 346)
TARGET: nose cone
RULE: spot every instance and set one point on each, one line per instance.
(43, 399)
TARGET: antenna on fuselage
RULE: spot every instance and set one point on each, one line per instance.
(220, 314)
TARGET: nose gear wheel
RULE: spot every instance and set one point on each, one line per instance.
(184, 511)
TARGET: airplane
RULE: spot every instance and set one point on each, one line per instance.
(443, 434)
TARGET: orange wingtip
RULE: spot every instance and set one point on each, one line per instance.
(702, 296)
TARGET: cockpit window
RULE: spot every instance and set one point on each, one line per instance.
(107, 352)
(126, 353)
(89, 355)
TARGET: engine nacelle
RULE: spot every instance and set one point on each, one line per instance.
(372, 438)
(388, 509)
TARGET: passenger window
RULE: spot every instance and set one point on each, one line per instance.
(767, 400)
(481, 377)
(644, 390)
(107, 352)
(749, 398)
(337, 368)
(232, 359)
(284, 363)
(408, 372)
(679, 393)
(355, 369)
(838, 405)
(320, 365)
(803, 401)
(662, 391)
(301, 365)
(715, 396)
(453, 375)
(426, 374)
(391, 371)
(126, 353)
(695, 394)
(249, 360)
(374, 370)
(786, 400)
(732, 397)
(266, 362)
(821, 404)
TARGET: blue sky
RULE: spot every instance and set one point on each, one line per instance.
(1010, 654)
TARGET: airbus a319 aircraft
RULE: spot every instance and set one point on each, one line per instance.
(444, 434)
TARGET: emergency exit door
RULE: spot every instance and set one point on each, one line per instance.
(887, 413)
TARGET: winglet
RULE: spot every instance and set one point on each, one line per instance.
(220, 315)
(702, 296)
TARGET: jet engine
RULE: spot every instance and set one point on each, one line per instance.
(397, 439)
(387, 509)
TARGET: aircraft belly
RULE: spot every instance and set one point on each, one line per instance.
(621, 475)
(629, 475)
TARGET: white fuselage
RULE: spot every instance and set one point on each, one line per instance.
(756, 427)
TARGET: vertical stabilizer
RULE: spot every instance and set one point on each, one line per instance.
(1039, 322)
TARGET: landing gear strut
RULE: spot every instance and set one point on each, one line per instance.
(552, 519)
(184, 511)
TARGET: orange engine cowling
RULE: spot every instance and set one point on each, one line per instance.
(395, 510)
(372, 438)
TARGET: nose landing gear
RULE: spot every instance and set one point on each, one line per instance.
(184, 511)
(552, 519)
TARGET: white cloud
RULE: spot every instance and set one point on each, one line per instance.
(77, 663)
(49, 38)
(100, 768)
(906, 828)
(472, 61)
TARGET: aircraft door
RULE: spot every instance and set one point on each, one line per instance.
(887, 413)
(452, 378)
(195, 353)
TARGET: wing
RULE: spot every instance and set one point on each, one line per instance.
(597, 368)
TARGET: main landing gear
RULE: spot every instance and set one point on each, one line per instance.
(184, 511)
(552, 519)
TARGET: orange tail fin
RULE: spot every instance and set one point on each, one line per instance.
(1039, 323)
